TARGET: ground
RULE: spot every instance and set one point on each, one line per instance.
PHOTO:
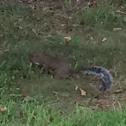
(28, 27)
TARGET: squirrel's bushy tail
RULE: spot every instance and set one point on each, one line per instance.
(106, 77)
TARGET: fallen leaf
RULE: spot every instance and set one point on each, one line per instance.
(20, 27)
(67, 39)
(24, 94)
(62, 25)
(104, 39)
(89, 38)
(76, 87)
(33, 30)
(83, 93)
(117, 29)
(119, 11)
(118, 91)
(102, 104)
(3, 109)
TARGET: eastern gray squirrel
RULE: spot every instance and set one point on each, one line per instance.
(63, 69)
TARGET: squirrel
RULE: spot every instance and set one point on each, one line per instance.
(63, 69)
(57, 66)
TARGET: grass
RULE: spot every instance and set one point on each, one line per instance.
(25, 31)
(36, 115)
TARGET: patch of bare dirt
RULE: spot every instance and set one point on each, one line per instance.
(62, 18)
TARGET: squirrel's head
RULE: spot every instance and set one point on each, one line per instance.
(33, 59)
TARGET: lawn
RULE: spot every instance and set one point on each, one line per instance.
(32, 98)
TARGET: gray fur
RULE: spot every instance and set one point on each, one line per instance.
(106, 77)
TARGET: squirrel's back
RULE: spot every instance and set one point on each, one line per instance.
(59, 66)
